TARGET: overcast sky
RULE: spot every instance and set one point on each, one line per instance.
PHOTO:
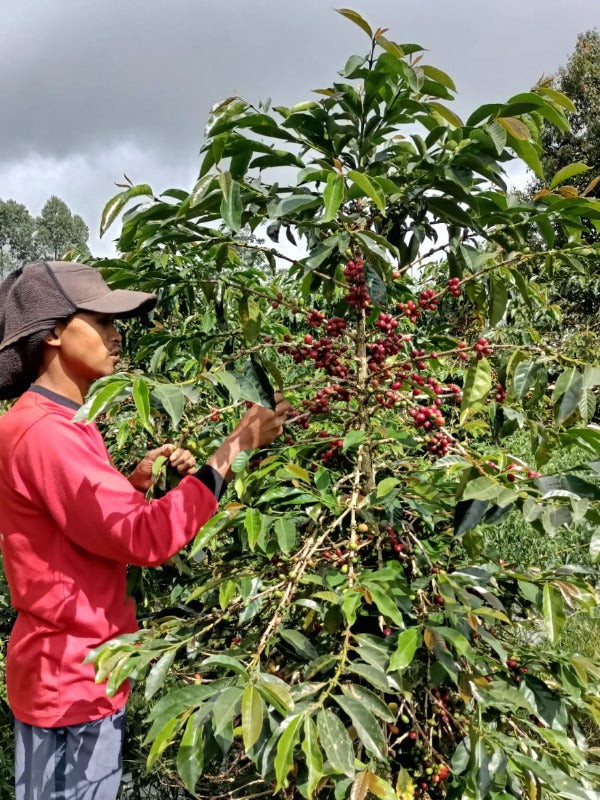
(92, 89)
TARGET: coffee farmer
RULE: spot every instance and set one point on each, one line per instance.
(70, 522)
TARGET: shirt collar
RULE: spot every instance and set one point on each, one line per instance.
(56, 398)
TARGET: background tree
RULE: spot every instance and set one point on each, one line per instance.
(17, 235)
(58, 230)
(579, 79)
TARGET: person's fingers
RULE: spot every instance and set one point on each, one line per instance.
(182, 460)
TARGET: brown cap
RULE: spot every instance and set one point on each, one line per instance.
(86, 289)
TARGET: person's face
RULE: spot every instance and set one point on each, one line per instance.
(89, 345)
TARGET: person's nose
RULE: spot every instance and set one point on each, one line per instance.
(115, 335)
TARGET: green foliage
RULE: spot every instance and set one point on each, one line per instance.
(58, 231)
(341, 626)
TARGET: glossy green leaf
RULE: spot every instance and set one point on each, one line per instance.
(285, 530)
(368, 187)
(118, 202)
(299, 642)
(226, 707)
(570, 171)
(190, 756)
(141, 397)
(478, 383)
(554, 611)
(566, 394)
(253, 525)
(312, 754)
(333, 195)
(356, 18)
(252, 716)
(366, 725)
(335, 742)
(369, 699)
(156, 677)
(284, 757)
(408, 643)
(172, 399)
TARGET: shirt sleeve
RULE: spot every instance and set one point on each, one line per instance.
(59, 466)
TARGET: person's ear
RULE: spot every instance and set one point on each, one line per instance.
(53, 338)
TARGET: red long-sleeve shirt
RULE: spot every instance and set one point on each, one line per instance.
(69, 524)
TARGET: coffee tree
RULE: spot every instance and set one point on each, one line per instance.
(338, 628)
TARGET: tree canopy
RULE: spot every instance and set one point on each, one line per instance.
(50, 236)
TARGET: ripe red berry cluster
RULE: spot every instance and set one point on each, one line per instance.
(426, 417)
(358, 296)
(333, 453)
(500, 393)
(482, 348)
(428, 300)
(321, 352)
(391, 538)
(409, 310)
(439, 444)
(386, 322)
(315, 318)
(336, 326)
(454, 286)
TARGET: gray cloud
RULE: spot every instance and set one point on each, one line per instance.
(91, 89)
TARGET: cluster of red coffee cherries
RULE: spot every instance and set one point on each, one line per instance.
(410, 310)
(454, 286)
(428, 300)
(439, 444)
(482, 348)
(358, 296)
(322, 353)
(426, 417)
(500, 393)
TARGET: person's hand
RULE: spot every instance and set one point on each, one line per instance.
(182, 460)
(260, 425)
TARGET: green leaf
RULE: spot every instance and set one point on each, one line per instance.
(190, 756)
(285, 530)
(468, 514)
(566, 395)
(333, 195)
(258, 376)
(369, 699)
(299, 642)
(498, 300)
(156, 677)
(313, 755)
(576, 168)
(115, 204)
(356, 18)
(515, 127)
(172, 400)
(525, 377)
(227, 662)
(478, 383)
(376, 287)
(226, 707)
(446, 114)
(276, 692)
(252, 716)
(408, 643)
(369, 188)
(101, 400)
(367, 727)
(437, 75)
(231, 205)
(553, 606)
(335, 742)
(482, 488)
(253, 525)
(141, 397)
(385, 603)
(284, 757)
(162, 741)
(353, 439)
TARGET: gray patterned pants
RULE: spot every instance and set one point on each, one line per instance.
(77, 762)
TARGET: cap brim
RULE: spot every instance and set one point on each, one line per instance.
(122, 303)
